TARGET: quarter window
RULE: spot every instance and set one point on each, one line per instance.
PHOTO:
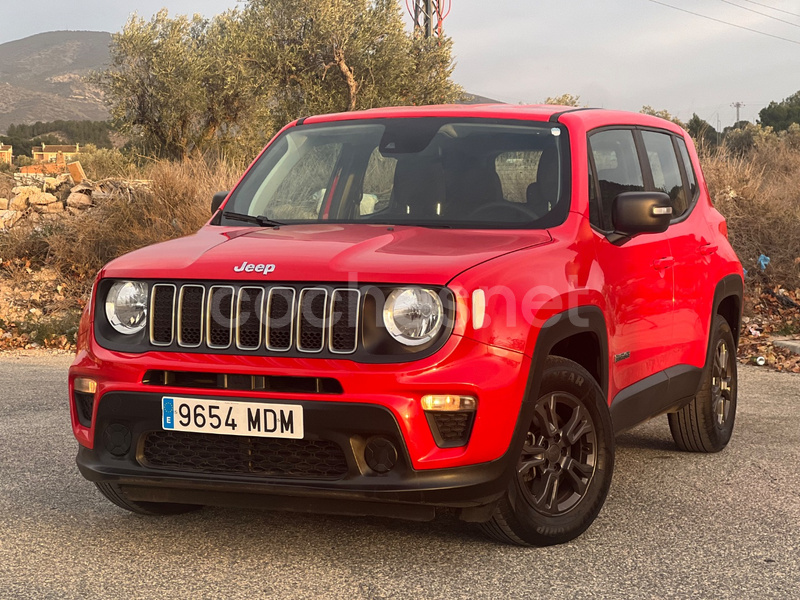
(687, 163)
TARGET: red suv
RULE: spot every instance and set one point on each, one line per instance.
(407, 310)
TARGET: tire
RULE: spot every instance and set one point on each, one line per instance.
(564, 469)
(706, 423)
(115, 494)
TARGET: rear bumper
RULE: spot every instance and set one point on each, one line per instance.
(123, 454)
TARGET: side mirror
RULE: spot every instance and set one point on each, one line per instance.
(217, 201)
(633, 213)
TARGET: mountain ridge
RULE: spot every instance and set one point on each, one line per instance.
(42, 77)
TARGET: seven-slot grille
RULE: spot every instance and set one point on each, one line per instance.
(251, 318)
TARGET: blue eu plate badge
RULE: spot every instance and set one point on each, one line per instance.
(168, 412)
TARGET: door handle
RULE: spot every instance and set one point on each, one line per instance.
(707, 249)
(663, 263)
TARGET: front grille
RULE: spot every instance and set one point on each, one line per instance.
(311, 320)
(191, 309)
(253, 318)
(238, 455)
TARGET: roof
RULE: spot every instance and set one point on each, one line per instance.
(503, 111)
(5, 148)
(588, 117)
(53, 148)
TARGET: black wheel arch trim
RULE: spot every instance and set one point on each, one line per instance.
(559, 327)
(730, 286)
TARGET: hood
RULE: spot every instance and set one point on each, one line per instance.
(324, 253)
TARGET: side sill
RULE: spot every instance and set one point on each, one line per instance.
(660, 393)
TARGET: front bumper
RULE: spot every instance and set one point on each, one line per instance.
(124, 454)
(375, 401)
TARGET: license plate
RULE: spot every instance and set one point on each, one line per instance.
(232, 418)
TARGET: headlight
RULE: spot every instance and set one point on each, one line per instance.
(413, 316)
(126, 306)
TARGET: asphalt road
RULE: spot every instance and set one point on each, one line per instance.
(675, 525)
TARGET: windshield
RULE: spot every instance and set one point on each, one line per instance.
(467, 173)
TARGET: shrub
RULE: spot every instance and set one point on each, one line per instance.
(757, 191)
(176, 203)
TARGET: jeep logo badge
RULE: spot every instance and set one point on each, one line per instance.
(247, 267)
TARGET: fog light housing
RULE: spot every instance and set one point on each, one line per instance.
(450, 418)
(83, 391)
(85, 385)
(449, 403)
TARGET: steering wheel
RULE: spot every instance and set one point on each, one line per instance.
(505, 205)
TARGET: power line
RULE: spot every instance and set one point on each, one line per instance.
(772, 8)
(758, 12)
(777, 37)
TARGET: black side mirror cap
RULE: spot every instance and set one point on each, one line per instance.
(217, 201)
(634, 213)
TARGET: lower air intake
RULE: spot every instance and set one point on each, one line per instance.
(235, 455)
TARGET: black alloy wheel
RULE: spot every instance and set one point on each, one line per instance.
(559, 455)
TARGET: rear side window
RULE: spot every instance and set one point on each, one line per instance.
(665, 170)
(687, 163)
(618, 169)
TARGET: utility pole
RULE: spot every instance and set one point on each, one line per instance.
(737, 106)
(429, 15)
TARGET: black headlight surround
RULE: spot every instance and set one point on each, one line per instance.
(378, 341)
(105, 334)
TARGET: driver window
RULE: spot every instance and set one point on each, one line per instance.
(617, 165)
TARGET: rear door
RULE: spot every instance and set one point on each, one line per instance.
(690, 241)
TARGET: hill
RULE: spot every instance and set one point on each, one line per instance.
(41, 77)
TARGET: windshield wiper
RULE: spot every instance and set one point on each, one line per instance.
(259, 220)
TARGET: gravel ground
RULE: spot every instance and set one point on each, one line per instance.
(675, 525)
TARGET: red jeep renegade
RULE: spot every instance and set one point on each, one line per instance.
(404, 310)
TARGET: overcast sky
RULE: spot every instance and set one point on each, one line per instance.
(621, 54)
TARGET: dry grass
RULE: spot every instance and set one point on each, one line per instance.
(177, 203)
(760, 197)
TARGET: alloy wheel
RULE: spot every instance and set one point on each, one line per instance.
(559, 456)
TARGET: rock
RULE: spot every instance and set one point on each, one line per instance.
(18, 203)
(50, 184)
(83, 187)
(42, 199)
(26, 191)
(8, 218)
(53, 207)
(78, 200)
(3, 203)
